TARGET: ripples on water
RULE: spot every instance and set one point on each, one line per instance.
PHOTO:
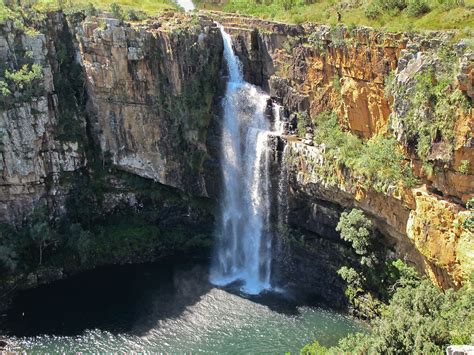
(163, 308)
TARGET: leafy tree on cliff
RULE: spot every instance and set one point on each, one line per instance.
(420, 319)
(40, 231)
(357, 229)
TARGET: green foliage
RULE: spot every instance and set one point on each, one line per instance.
(386, 14)
(464, 167)
(25, 76)
(417, 8)
(8, 258)
(135, 15)
(336, 34)
(314, 39)
(4, 90)
(354, 282)
(40, 231)
(302, 123)
(313, 349)
(116, 10)
(434, 106)
(469, 221)
(379, 161)
(357, 229)
(23, 81)
(288, 4)
(419, 319)
(90, 10)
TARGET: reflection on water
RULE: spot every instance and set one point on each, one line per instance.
(166, 308)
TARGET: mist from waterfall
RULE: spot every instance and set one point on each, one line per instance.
(243, 248)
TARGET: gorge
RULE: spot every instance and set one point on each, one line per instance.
(252, 148)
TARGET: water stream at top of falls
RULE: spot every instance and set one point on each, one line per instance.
(243, 250)
(187, 5)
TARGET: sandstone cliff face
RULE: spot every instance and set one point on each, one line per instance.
(148, 95)
(33, 155)
(115, 112)
(152, 89)
(314, 69)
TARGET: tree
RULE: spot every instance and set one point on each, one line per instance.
(357, 229)
(40, 231)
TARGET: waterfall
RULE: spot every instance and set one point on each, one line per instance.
(187, 5)
(243, 248)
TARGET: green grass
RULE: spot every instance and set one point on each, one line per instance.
(149, 7)
(324, 11)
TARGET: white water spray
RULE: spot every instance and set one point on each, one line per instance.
(243, 251)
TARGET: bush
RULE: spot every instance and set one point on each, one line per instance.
(380, 161)
(464, 167)
(372, 11)
(420, 319)
(451, 4)
(469, 221)
(90, 10)
(357, 229)
(116, 10)
(417, 8)
(288, 4)
(313, 349)
(133, 15)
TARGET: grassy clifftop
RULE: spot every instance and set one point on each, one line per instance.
(12, 9)
(392, 15)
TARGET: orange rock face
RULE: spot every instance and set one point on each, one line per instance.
(436, 228)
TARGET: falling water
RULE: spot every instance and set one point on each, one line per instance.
(187, 5)
(243, 251)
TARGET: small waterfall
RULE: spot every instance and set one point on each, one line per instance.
(243, 248)
(187, 5)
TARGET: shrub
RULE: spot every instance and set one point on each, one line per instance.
(379, 161)
(313, 349)
(133, 15)
(116, 10)
(8, 259)
(22, 80)
(288, 4)
(90, 10)
(358, 230)
(372, 11)
(464, 167)
(39, 230)
(420, 319)
(469, 221)
(451, 4)
(302, 124)
(417, 8)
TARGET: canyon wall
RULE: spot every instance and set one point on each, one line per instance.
(117, 138)
(369, 78)
(109, 142)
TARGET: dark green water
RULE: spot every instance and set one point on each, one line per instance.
(163, 308)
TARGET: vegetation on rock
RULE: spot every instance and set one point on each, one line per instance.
(129, 9)
(393, 15)
(379, 161)
(419, 318)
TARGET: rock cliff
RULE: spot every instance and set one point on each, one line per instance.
(109, 142)
(374, 81)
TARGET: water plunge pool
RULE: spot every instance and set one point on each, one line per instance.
(163, 307)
